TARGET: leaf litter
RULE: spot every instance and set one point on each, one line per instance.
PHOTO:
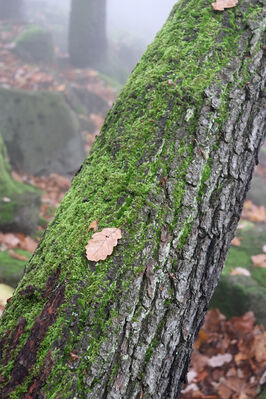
(229, 359)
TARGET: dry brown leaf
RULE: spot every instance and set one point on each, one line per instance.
(93, 225)
(259, 260)
(17, 256)
(9, 239)
(259, 347)
(236, 242)
(220, 5)
(253, 212)
(240, 271)
(28, 244)
(202, 338)
(102, 244)
(220, 360)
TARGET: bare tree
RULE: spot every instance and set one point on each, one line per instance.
(171, 168)
(87, 32)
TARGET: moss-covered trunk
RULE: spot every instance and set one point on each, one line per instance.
(11, 9)
(171, 168)
(87, 32)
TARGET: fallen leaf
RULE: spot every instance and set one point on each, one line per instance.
(220, 5)
(241, 326)
(93, 225)
(258, 349)
(73, 356)
(28, 244)
(15, 255)
(102, 244)
(202, 337)
(240, 271)
(236, 242)
(220, 360)
(9, 239)
(259, 260)
(5, 293)
(253, 212)
(224, 392)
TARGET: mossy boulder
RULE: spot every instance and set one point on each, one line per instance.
(235, 295)
(11, 269)
(35, 44)
(84, 101)
(19, 203)
(40, 131)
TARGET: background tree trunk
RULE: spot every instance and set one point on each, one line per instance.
(171, 167)
(11, 9)
(87, 32)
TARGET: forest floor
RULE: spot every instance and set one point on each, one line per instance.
(229, 357)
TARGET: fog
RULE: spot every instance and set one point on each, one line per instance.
(140, 18)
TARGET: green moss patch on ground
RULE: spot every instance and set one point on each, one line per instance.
(11, 269)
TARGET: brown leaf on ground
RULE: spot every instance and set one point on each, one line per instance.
(258, 348)
(241, 325)
(15, 255)
(28, 244)
(259, 260)
(9, 239)
(224, 392)
(236, 242)
(220, 5)
(240, 271)
(202, 337)
(253, 213)
(93, 225)
(220, 360)
(102, 244)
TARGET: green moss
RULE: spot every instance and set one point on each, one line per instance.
(35, 44)
(204, 179)
(30, 33)
(11, 269)
(252, 241)
(122, 177)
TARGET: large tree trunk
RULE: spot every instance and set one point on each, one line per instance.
(87, 32)
(11, 9)
(171, 168)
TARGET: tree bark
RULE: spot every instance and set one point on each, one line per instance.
(171, 168)
(11, 9)
(87, 32)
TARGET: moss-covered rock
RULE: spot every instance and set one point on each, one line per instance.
(236, 295)
(40, 131)
(11, 269)
(84, 101)
(19, 203)
(35, 44)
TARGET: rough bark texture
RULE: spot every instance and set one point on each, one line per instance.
(171, 167)
(11, 9)
(87, 32)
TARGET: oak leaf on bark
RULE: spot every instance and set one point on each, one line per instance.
(102, 244)
(220, 5)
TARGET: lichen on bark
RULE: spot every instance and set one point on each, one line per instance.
(170, 167)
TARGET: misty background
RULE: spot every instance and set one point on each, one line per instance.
(138, 19)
